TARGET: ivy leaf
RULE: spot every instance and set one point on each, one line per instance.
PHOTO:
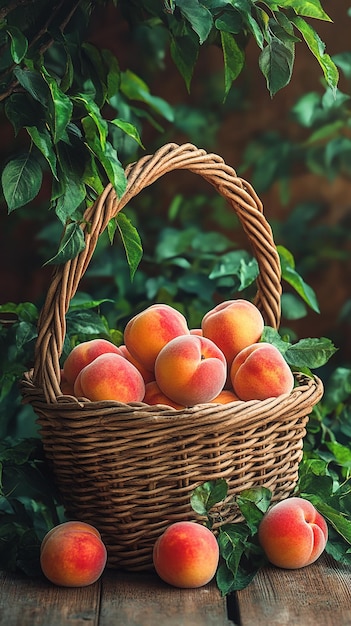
(234, 59)
(310, 352)
(72, 243)
(276, 63)
(21, 180)
(317, 48)
(131, 241)
(205, 496)
(198, 16)
(19, 43)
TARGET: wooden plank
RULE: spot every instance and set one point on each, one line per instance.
(317, 594)
(142, 599)
(36, 602)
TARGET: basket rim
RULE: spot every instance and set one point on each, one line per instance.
(302, 398)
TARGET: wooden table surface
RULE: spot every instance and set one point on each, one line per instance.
(319, 594)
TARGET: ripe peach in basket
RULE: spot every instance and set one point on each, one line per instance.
(190, 370)
(73, 554)
(147, 332)
(83, 354)
(147, 375)
(110, 377)
(259, 372)
(233, 325)
(154, 395)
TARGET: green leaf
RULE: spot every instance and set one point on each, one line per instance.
(252, 510)
(234, 59)
(72, 243)
(26, 311)
(33, 83)
(135, 89)
(317, 47)
(129, 129)
(42, 139)
(113, 75)
(341, 453)
(25, 333)
(21, 180)
(295, 280)
(19, 43)
(308, 8)
(198, 16)
(107, 156)
(73, 195)
(271, 335)
(205, 496)
(60, 109)
(310, 352)
(341, 524)
(21, 111)
(85, 323)
(94, 112)
(184, 51)
(131, 241)
(276, 63)
(238, 264)
(292, 307)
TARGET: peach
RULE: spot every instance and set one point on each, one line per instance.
(186, 555)
(72, 555)
(147, 332)
(73, 525)
(233, 325)
(83, 354)
(259, 372)
(190, 370)
(292, 533)
(110, 377)
(224, 397)
(154, 395)
(147, 375)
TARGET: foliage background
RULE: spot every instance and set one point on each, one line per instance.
(294, 148)
(311, 209)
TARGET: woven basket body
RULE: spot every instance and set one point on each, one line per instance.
(129, 469)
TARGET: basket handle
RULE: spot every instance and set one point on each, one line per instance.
(239, 194)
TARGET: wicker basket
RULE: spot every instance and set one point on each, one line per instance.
(129, 469)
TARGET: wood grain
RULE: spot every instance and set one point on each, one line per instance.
(317, 594)
(143, 600)
(36, 602)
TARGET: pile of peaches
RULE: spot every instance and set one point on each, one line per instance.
(163, 361)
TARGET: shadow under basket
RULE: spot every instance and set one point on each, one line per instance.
(130, 469)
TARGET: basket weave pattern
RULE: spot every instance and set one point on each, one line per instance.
(129, 469)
